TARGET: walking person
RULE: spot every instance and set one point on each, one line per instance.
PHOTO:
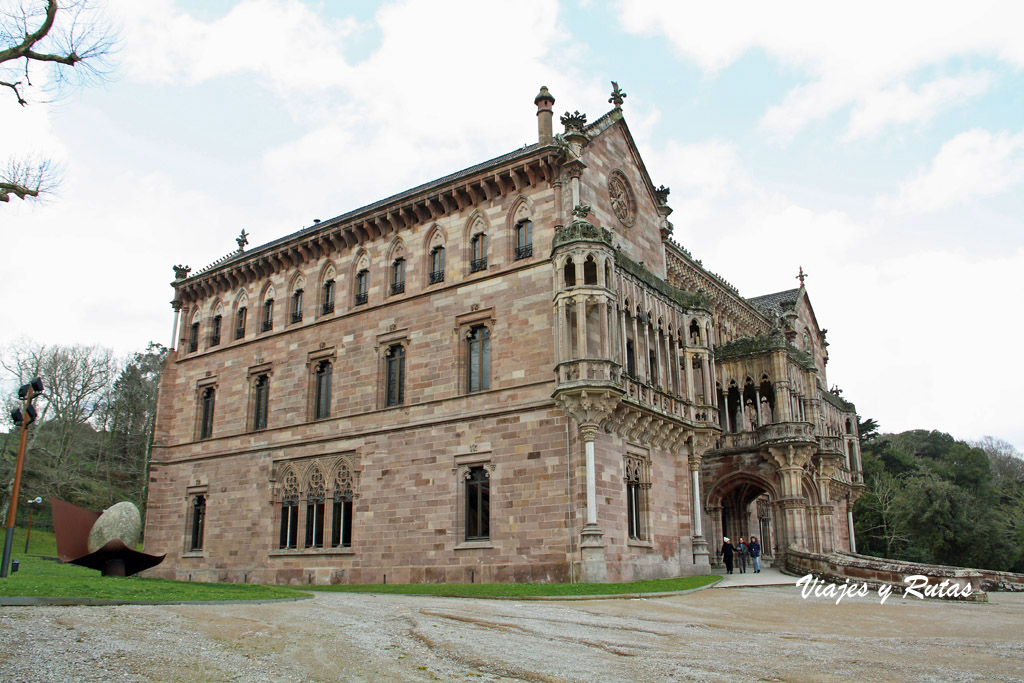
(741, 556)
(754, 548)
(727, 551)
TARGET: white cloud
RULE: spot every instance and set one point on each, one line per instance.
(856, 56)
(975, 163)
(901, 104)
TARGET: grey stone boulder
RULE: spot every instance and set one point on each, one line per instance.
(121, 521)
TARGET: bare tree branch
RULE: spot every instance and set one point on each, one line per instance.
(26, 178)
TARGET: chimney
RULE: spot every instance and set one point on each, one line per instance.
(544, 100)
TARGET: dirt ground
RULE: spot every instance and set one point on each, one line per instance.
(763, 633)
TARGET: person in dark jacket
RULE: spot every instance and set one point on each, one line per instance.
(741, 556)
(727, 554)
(754, 549)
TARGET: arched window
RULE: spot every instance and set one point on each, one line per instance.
(240, 315)
(590, 271)
(362, 286)
(569, 273)
(297, 306)
(315, 500)
(268, 316)
(524, 239)
(478, 351)
(436, 265)
(398, 276)
(694, 333)
(261, 396)
(341, 508)
(478, 251)
(193, 335)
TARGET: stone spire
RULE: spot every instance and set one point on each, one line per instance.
(544, 100)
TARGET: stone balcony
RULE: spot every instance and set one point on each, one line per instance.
(833, 445)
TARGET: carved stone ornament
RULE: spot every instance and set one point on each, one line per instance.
(572, 121)
(181, 272)
(622, 199)
(617, 96)
(242, 240)
(662, 193)
(581, 211)
(589, 407)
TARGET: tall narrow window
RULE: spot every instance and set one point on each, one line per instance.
(240, 323)
(215, 331)
(193, 338)
(478, 504)
(398, 276)
(289, 512)
(633, 504)
(315, 510)
(637, 484)
(261, 394)
(198, 523)
(524, 239)
(436, 265)
(341, 520)
(479, 360)
(479, 253)
(297, 306)
(289, 522)
(394, 361)
(206, 420)
(322, 391)
(630, 358)
(362, 285)
(268, 315)
(328, 297)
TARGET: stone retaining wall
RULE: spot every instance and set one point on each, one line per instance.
(991, 580)
(874, 571)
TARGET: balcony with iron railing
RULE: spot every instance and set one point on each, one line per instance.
(327, 308)
(398, 287)
(476, 265)
(436, 276)
(361, 298)
(267, 325)
(524, 252)
(296, 316)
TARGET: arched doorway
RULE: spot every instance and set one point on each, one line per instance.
(742, 505)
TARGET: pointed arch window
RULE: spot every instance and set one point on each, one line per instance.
(524, 239)
(362, 286)
(436, 265)
(327, 298)
(315, 501)
(193, 337)
(637, 485)
(240, 315)
(215, 330)
(268, 315)
(297, 306)
(341, 509)
(398, 276)
(478, 249)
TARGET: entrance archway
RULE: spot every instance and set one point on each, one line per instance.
(742, 505)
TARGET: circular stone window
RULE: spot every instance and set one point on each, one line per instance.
(622, 199)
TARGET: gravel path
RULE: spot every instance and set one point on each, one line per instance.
(711, 635)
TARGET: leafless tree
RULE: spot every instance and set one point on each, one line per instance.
(1006, 461)
(45, 47)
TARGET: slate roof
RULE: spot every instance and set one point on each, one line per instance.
(772, 303)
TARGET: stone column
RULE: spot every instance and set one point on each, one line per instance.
(622, 338)
(646, 364)
(790, 460)
(174, 330)
(706, 366)
(637, 360)
(581, 326)
(700, 544)
(658, 365)
(594, 568)
(603, 315)
(849, 522)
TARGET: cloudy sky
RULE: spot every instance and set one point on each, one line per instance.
(880, 146)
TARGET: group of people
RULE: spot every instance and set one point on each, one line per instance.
(740, 552)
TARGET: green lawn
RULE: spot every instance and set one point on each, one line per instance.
(525, 590)
(41, 577)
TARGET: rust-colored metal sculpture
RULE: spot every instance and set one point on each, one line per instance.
(72, 525)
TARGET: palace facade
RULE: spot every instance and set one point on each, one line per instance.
(511, 373)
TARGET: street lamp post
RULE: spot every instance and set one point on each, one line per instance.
(23, 417)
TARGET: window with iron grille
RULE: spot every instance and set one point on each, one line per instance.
(398, 276)
(206, 419)
(436, 265)
(215, 332)
(524, 239)
(198, 514)
(478, 504)
(260, 407)
(479, 252)
(328, 298)
(362, 284)
(268, 315)
(240, 323)
(297, 306)
(322, 390)
(478, 361)
(193, 338)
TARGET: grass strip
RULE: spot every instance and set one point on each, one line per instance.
(41, 577)
(525, 590)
